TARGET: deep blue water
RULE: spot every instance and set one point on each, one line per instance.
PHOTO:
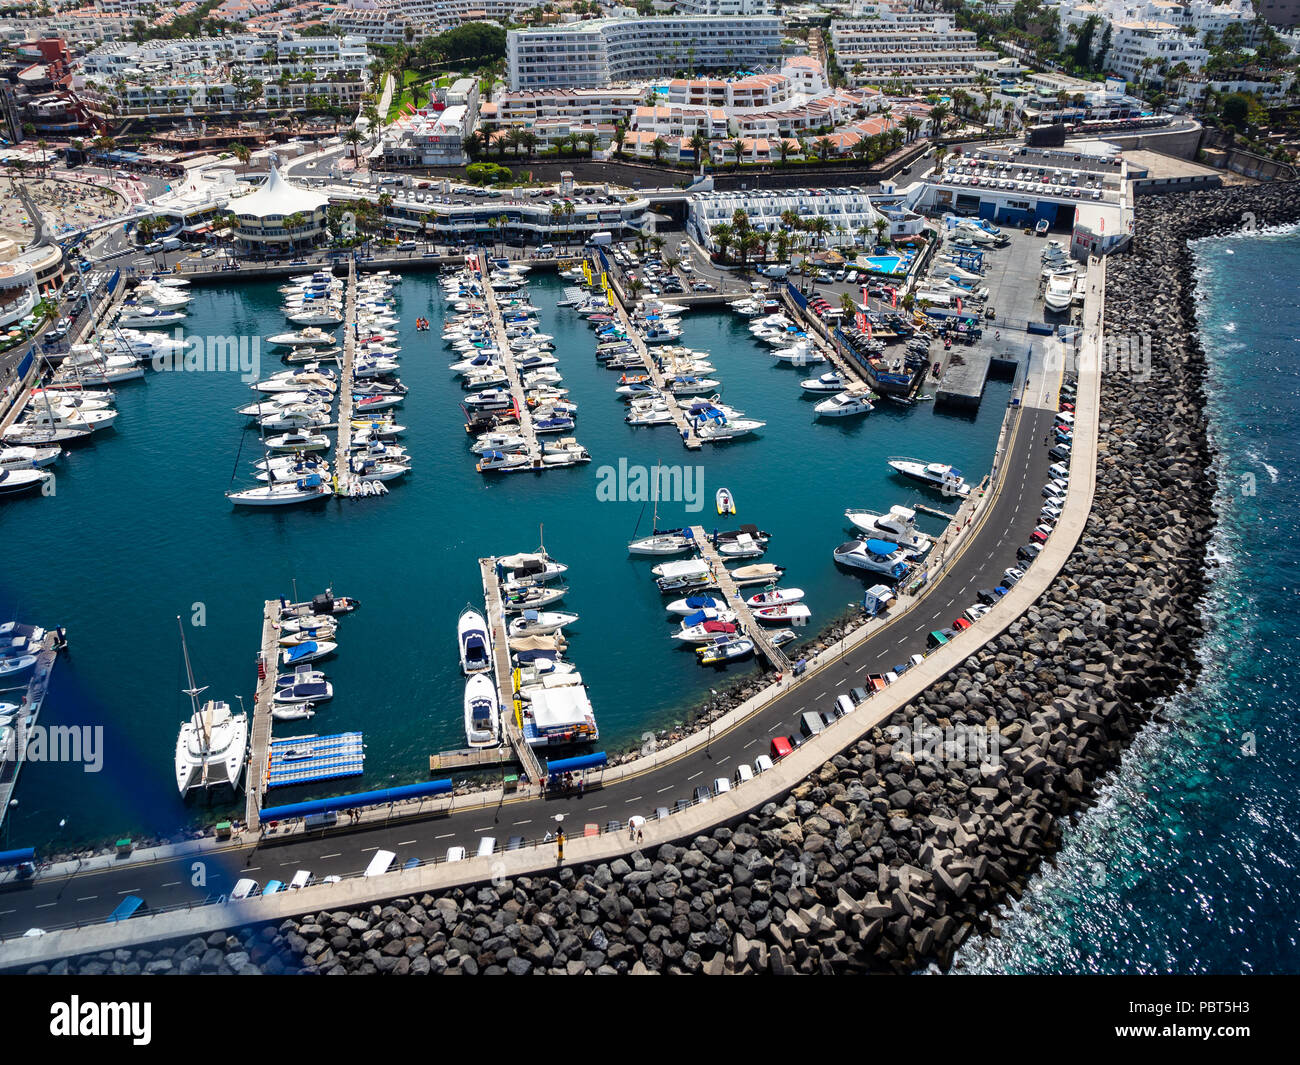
(1190, 862)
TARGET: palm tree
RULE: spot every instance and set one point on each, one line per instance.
(353, 137)
(699, 145)
(847, 305)
(738, 149)
(783, 149)
(657, 147)
(912, 125)
(241, 152)
(620, 135)
(882, 230)
(722, 236)
(567, 208)
(823, 147)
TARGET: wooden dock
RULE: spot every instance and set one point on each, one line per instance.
(685, 430)
(736, 601)
(934, 512)
(259, 740)
(342, 468)
(513, 378)
(37, 687)
(511, 713)
(471, 758)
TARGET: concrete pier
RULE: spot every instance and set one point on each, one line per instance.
(259, 738)
(32, 701)
(754, 629)
(342, 468)
(685, 429)
(471, 758)
(513, 378)
(510, 706)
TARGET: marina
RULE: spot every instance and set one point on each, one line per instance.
(244, 554)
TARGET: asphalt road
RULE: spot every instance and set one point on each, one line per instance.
(91, 896)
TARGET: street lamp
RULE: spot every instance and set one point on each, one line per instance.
(559, 839)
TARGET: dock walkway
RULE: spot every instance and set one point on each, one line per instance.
(342, 468)
(26, 719)
(513, 378)
(753, 627)
(259, 741)
(511, 721)
(685, 430)
(849, 371)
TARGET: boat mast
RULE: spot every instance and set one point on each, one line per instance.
(194, 692)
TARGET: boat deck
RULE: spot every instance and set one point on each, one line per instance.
(342, 469)
(726, 584)
(511, 715)
(304, 759)
(685, 430)
(33, 699)
(472, 758)
(259, 739)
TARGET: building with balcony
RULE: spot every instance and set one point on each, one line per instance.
(613, 51)
(278, 218)
(919, 55)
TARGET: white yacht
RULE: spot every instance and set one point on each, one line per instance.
(1060, 292)
(211, 745)
(846, 403)
(874, 556)
(947, 479)
(482, 716)
(899, 525)
(475, 644)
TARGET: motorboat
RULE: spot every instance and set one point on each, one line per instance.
(498, 442)
(725, 503)
(295, 416)
(846, 403)
(482, 715)
(799, 354)
(873, 556)
(289, 468)
(490, 399)
(540, 623)
(14, 665)
(1060, 292)
(899, 525)
(775, 597)
(948, 479)
(303, 691)
(64, 417)
(725, 648)
(310, 337)
(727, 428)
(298, 440)
(273, 404)
(303, 622)
(784, 614)
(743, 546)
(552, 422)
(533, 567)
(311, 651)
(531, 597)
(502, 460)
(756, 573)
(15, 482)
(212, 744)
(692, 603)
(23, 457)
(682, 576)
(705, 631)
(474, 642)
(364, 468)
(146, 317)
(283, 493)
(564, 452)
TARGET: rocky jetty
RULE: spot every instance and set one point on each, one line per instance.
(886, 860)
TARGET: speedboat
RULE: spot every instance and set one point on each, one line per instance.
(540, 623)
(785, 613)
(874, 556)
(682, 576)
(727, 429)
(304, 691)
(743, 546)
(775, 597)
(530, 597)
(475, 644)
(705, 631)
(846, 403)
(27, 458)
(564, 452)
(800, 354)
(298, 440)
(502, 460)
(16, 664)
(725, 649)
(899, 525)
(304, 622)
(147, 317)
(311, 337)
(14, 482)
(1060, 292)
(310, 651)
(726, 504)
(497, 442)
(533, 567)
(947, 479)
(692, 603)
(482, 717)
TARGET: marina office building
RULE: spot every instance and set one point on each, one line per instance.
(617, 50)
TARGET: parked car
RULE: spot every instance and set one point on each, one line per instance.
(701, 794)
(1029, 552)
(456, 854)
(779, 748)
(743, 773)
(243, 889)
(986, 596)
(977, 611)
(762, 764)
(661, 813)
(514, 843)
(721, 784)
(961, 624)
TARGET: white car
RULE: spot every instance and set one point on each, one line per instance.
(300, 879)
(456, 854)
(762, 764)
(243, 889)
(976, 611)
(720, 785)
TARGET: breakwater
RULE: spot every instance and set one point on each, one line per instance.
(881, 861)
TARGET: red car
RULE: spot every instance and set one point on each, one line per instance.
(1038, 537)
(961, 623)
(1067, 406)
(779, 748)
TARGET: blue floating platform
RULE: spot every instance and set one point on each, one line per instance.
(306, 759)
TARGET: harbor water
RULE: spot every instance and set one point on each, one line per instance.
(1188, 862)
(140, 531)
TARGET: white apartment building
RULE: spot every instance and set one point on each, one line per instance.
(931, 56)
(593, 106)
(847, 209)
(620, 50)
(724, 7)
(406, 21)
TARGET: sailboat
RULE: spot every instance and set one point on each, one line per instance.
(661, 542)
(211, 745)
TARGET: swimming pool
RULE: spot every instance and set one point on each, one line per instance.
(885, 264)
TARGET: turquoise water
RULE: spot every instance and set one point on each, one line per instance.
(140, 532)
(1188, 863)
(885, 264)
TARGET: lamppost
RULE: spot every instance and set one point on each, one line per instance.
(559, 839)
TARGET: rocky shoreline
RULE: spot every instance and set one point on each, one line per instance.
(882, 861)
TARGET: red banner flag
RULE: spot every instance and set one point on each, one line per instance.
(959, 305)
(893, 297)
(868, 330)
(863, 325)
